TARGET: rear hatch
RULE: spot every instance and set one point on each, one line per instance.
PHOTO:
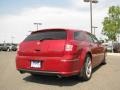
(46, 43)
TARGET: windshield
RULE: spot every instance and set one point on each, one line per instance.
(47, 35)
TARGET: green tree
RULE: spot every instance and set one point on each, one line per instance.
(111, 23)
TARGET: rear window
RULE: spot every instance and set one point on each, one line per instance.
(47, 35)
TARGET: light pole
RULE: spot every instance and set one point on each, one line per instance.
(12, 39)
(91, 1)
(37, 25)
(94, 29)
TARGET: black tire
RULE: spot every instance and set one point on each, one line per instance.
(104, 60)
(87, 69)
(8, 49)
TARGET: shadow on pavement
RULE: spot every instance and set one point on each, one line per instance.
(98, 67)
(51, 80)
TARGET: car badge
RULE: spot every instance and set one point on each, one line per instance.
(38, 43)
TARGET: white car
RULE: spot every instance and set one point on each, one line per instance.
(109, 46)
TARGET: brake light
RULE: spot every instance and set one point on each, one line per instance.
(68, 47)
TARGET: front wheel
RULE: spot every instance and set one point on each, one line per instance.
(87, 69)
(104, 60)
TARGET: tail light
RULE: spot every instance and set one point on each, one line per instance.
(69, 47)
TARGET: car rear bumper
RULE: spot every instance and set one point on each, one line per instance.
(49, 73)
(50, 66)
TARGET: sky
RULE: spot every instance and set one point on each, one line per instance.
(17, 16)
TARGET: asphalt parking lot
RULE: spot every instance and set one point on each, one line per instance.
(105, 77)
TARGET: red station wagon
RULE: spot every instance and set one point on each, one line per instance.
(61, 52)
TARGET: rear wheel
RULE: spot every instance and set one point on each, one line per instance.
(87, 69)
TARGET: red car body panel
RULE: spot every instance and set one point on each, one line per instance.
(53, 56)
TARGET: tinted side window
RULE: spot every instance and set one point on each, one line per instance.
(89, 38)
(53, 35)
(81, 36)
(95, 40)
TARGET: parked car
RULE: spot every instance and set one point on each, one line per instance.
(5, 47)
(1, 46)
(14, 47)
(108, 46)
(9, 47)
(61, 52)
(116, 47)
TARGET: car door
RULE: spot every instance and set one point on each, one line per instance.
(99, 50)
(94, 50)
